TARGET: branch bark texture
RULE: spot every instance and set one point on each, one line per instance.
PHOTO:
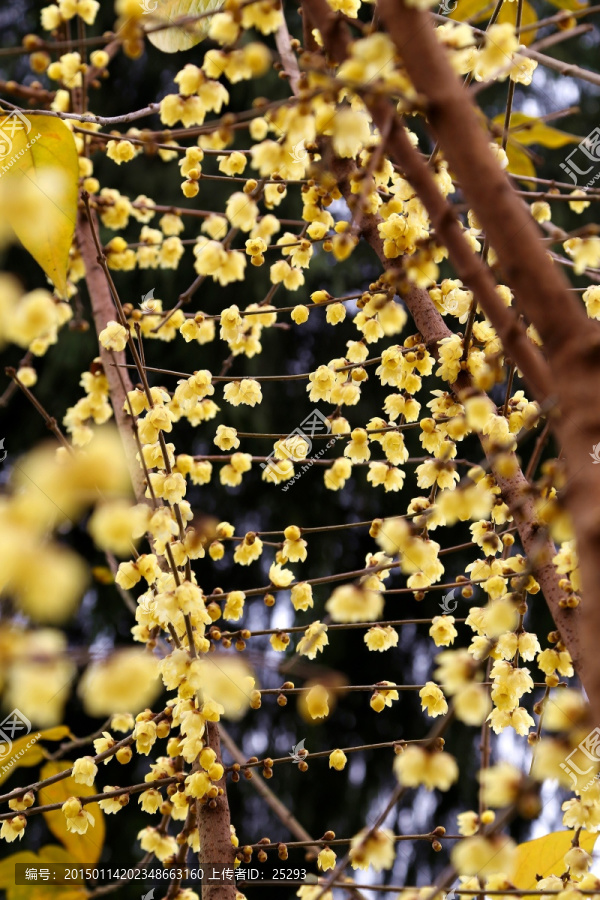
(571, 341)
(515, 489)
(103, 310)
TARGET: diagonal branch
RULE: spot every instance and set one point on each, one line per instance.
(119, 383)
(571, 341)
(536, 543)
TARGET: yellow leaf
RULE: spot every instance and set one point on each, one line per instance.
(545, 856)
(39, 183)
(519, 163)
(508, 13)
(470, 10)
(85, 848)
(54, 853)
(103, 575)
(50, 854)
(27, 751)
(7, 866)
(179, 37)
(569, 4)
(529, 130)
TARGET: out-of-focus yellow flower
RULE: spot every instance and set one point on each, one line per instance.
(485, 856)
(125, 682)
(317, 702)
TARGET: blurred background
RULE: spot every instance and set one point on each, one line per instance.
(319, 798)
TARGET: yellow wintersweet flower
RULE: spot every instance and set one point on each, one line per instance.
(583, 811)
(433, 701)
(565, 709)
(381, 638)
(336, 313)
(300, 314)
(301, 596)
(551, 660)
(67, 70)
(433, 769)
(500, 784)
(242, 211)
(161, 845)
(120, 151)
(443, 631)
(234, 606)
(282, 273)
(385, 475)
(279, 576)
(350, 132)
(517, 718)
(321, 384)
(577, 861)
(197, 785)
(317, 702)
(353, 603)
(23, 802)
(113, 804)
(279, 641)
(337, 760)
(484, 856)
(326, 859)
(85, 9)
(357, 448)
(13, 828)
(468, 823)
(247, 391)
(472, 704)
(522, 69)
(265, 16)
(126, 682)
(382, 697)
(50, 17)
(313, 640)
(116, 525)
(122, 722)
(394, 448)
(84, 770)
(248, 550)
(77, 818)
(30, 318)
(585, 252)
(113, 337)
(375, 848)
(293, 536)
(495, 58)
(150, 800)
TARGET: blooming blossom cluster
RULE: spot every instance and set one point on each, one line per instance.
(487, 666)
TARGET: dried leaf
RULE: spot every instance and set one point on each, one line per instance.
(179, 37)
(545, 856)
(39, 188)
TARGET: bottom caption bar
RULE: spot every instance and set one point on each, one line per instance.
(63, 873)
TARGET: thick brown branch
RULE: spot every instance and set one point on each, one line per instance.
(536, 544)
(216, 849)
(470, 268)
(103, 310)
(508, 224)
(571, 341)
